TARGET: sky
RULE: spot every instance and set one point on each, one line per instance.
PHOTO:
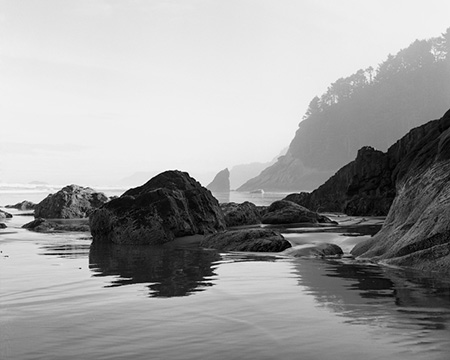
(92, 91)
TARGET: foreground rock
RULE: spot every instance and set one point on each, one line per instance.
(287, 212)
(416, 232)
(5, 215)
(315, 250)
(24, 205)
(71, 202)
(246, 213)
(221, 182)
(43, 225)
(172, 204)
(254, 240)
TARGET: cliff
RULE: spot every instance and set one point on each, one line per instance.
(367, 185)
(416, 232)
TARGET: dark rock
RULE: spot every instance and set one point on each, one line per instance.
(315, 250)
(287, 212)
(70, 202)
(24, 205)
(172, 204)
(221, 182)
(5, 215)
(255, 240)
(3, 226)
(416, 232)
(44, 225)
(235, 214)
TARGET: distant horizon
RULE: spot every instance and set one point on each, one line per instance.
(96, 91)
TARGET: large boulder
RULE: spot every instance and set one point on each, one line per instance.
(24, 205)
(288, 212)
(254, 240)
(235, 214)
(71, 202)
(221, 182)
(172, 204)
(416, 232)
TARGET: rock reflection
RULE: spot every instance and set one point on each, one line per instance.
(168, 271)
(374, 295)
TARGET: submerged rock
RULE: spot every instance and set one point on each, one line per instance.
(44, 225)
(221, 182)
(254, 240)
(315, 250)
(416, 232)
(287, 212)
(24, 205)
(235, 214)
(172, 204)
(70, 202)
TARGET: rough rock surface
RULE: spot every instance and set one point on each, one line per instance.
(416, 232)
(221, 182)
(367, 185)
(315, 250)
(235, 214)
(24, 205)
(43, 225)
(5, 215)
(288, 212)
(70, 202)
(172, 204)
(255, 240)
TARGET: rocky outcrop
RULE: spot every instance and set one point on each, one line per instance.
(45, 226)
(70, 202)
(172, 204)
(315, 250)
(287, 212)
(235, 214)
(254, 240)
(24, 205)
(5, 215)
(221, 182)
(416, 232)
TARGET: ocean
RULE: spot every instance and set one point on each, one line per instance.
(61, 298)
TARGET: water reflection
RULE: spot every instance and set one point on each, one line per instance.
(169, 271)
(374, 295)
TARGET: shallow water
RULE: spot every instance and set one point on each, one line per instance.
(61, 298)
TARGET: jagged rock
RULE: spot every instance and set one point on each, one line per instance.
(287, 212)
(70, 202)
(221, 182)
(416, 232)
(44, 225)
(255, 240)
(5, 215)
(172, 204)
(315, 250)
(24, 205)
(235, 214)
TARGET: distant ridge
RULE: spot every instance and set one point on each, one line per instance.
(368, 108)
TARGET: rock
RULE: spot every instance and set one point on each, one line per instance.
(315, 250)
(246, 213)
(255, 240)
(24, 205)
(5, 215)
(172, 204)
(416, 232)
(3, 226)
(287, 212)
(44, 225)
(70, 202)
(221, 182)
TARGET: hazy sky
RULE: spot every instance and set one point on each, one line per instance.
(94, 90)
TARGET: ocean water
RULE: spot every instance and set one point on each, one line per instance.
(61, 298)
